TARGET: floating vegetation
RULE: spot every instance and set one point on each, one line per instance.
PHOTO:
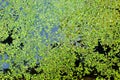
(59, 40)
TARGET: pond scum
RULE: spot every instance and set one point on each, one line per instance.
(90, 49)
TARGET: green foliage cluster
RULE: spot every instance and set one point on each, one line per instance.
(90, 49)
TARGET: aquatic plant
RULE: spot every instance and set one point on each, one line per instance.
(87, 45)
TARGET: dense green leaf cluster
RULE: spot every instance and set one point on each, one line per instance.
(88, 49)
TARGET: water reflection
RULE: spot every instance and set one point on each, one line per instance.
(3, 4)
(50, 35)
(4, 65)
